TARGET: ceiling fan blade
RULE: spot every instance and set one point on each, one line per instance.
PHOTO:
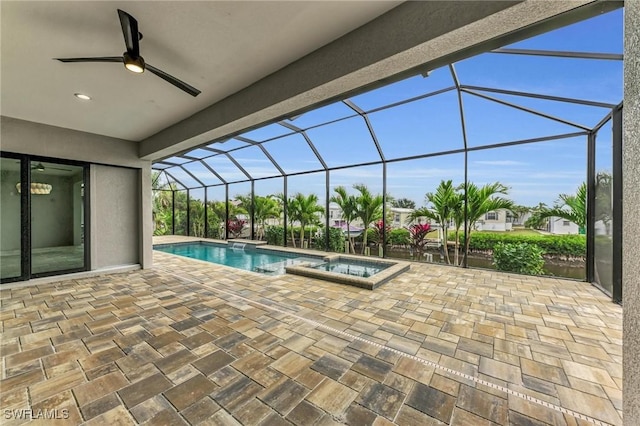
(130, 32)
(97, 59)
(58, 168)
(171, 79)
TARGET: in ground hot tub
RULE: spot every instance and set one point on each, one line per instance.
(352, 270)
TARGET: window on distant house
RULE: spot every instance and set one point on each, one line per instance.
(491, 216)
(396, 217)
(566, 223)
(331, 214)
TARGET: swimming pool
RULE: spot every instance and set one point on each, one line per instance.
(248, 255)
(248, 258)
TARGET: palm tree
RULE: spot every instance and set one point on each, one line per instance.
(162, 211)
(304, 209)
(261, 209)
(456, 204)
(293, 213)
(442, 203)
(196, 217)
(535, 221)
(216, 216)
(519, 211)
(570, 207)
(481, 201)
(368, 209)
(347, 204)
(265, 208)
(180, 208)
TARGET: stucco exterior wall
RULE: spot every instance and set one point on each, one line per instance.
(120, 186)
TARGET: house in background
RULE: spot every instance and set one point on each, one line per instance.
(521, 219)
(397, 217)
(497, 220)
(559, 226)
(400, 218)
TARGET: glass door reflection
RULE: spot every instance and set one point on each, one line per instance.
(57, 217)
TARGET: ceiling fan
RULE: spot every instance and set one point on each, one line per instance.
(39, 167)
(132, 59)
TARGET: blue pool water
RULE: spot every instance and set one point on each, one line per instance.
(249, 260)
(351, 267)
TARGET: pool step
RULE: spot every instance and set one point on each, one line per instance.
(279, 267)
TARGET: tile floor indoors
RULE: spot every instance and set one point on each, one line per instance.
(188, 342)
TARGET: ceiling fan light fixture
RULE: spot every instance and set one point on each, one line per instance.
(39, 167)
(133, 64)
(82, 96)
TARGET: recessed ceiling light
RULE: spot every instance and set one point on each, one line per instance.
(82, 96)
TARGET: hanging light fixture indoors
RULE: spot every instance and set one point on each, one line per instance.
(37, 188)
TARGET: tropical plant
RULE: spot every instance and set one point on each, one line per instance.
(304, 209)
(399, 237)
(553, 245)
(520, 211)
(457, 216)
(441, 206)
(418, 233)
(235, 227)
(216, 214)
(196, 218)
(570, 207)
(348, 206)
(275, 235)
(162, 211)
(378, 228)
(336, 240)
(404, 203)
(521, 258)
(536, 221)
(180, 208)
(260, 209)
(481, 200)
(368, 209)
(287, 208)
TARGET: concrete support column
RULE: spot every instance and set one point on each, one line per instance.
(631, 212)
(146, 218)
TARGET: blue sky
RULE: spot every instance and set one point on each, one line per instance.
(534, 173)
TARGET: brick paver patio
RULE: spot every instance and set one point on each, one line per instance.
(194, 343)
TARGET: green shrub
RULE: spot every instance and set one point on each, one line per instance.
(274, 235)
(522, 258)
(399, 237)
(336, 240)
(555, 245)
(372, 236)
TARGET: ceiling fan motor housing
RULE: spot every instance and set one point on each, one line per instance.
(133, 64)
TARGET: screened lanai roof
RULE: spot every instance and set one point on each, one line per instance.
(556, 86)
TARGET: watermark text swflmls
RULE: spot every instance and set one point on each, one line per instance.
(30, 414)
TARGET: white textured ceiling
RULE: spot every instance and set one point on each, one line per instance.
(218, 47)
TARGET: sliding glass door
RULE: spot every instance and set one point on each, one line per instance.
(43, 217)
(10, 220)
(57, 217)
